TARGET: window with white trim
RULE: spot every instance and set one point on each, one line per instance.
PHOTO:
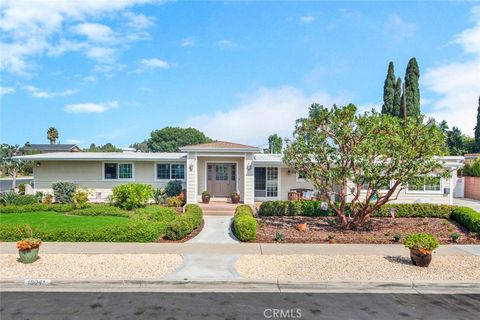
(117, 171)
(170, 171)
(429, 183)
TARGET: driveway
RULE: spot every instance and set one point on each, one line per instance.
(465, 202)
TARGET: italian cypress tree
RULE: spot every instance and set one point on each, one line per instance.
(411, 100)
(477, 129)
(397, 99)
(389, 91)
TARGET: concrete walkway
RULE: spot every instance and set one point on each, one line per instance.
(237, 248)
(206, 267)
(464, 202)
(215, 230)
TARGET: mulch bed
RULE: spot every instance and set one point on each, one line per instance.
(193, 234)
(382, 230)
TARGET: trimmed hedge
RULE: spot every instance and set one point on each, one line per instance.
(185, 223)
(313, 209)
(101, 210)
(26, 199)
(36, 207)
(467, 217)
(244, 223)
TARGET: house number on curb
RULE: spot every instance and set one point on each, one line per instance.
(37, 282)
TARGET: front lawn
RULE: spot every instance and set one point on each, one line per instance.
(52, 221)
(97, 223)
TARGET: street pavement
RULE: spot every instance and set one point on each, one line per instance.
(6, 183)
(465, 202)
(154, 305)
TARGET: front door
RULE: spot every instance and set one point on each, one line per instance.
(221, 179)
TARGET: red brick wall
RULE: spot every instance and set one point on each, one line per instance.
(472, 187)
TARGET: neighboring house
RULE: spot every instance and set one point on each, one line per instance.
(218, 167)
(49, 148)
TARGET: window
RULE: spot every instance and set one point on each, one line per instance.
(125, 171)
(221, 172)
(209, 172)
(266, 182)
(234, 173)
(425, 184)
(167, 171)
(110, 171)
(114, 171)
(272, 182)
(178, 171)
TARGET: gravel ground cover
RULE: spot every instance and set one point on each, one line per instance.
(356, 268)
(381, 230)
(83, 266)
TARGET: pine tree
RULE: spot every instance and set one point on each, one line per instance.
(389, 91)
(411, 94)
(477, 129)
(397, 99)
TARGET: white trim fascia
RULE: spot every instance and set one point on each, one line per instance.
(118, 168)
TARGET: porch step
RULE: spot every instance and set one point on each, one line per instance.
(218, 208)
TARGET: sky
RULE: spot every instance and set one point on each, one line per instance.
(112, 71)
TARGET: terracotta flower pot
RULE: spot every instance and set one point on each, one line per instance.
(421, 258)
(206, 198)
(235, 199)
(28, 256)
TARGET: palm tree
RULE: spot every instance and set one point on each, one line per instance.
(52, 135)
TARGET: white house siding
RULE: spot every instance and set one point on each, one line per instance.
(289, 181)
(202, 167)
(89, 174)
(191, 177)
(248, 169)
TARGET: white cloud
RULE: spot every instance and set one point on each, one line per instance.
(226, 44)
(38, 93)
(139, 21)
(6, 90)
(89, 79)
(267, 111)
(33, 28)
(188, 42)
(458, 83)
(75, 141)
(90, 107)
(306, 19)
(153, 63)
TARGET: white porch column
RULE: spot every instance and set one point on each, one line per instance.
(192, 177)
(453, 179)
(248, 197)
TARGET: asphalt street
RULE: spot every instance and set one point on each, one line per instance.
(156, 305)
(6, 184)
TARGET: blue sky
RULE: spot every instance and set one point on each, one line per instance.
(113, 71)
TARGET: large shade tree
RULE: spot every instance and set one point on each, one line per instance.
(342, 152)
(275, 144)
(170, 139)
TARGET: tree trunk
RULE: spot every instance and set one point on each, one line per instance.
(14, 179)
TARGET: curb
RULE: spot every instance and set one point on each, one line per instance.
(412, 287)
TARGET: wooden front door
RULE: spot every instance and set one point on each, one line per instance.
(221, 179)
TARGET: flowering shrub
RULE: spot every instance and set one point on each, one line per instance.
(28, 244)
(80, 198)
(132, 195)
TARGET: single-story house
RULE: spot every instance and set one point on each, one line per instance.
(218, 167)
(52, 147)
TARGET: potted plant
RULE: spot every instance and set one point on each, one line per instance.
(235, 196)
(421, 246)
(205, 197)
(28, 249)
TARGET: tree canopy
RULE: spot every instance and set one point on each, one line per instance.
(170, 139)
(371, 151)
(275, 144)
(52, 135)
(411, 99)
(389, 91)
(108, 147)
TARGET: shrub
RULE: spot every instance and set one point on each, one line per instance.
(26, 199)
(21, 188)
(159, 196)
(48, 199)
(156, 213)
(63, 191)
(185, 223)
(467, 217)
(293, 208)
(8, 198)
(421, 241)
(80, 198)
(39, 195)
(132, 195)
(416, 210)
(279, 237)
(245, 227)
(174, 202)
(455, 237)
(173, 188)
(243, 209)
(101, 210)
(36, 207)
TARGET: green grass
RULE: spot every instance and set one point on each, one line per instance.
(52, 221)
